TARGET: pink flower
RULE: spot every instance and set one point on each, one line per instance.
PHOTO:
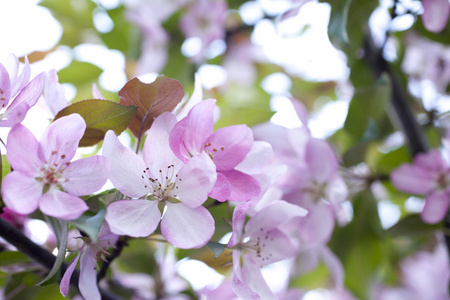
(44, 175)
(17, 95)
(54, 93)
(160, 179)
(227, 147)
(435, 14)
(87, 255)
(429, 175)
(261, 242)
(206, 26)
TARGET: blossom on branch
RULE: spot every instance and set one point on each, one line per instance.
(160, 180)
(17, 93)
(44, 175)
(227, 147)
(260, 242)
(87, 256)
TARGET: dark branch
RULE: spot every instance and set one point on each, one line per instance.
(121, 242)
(16, 238)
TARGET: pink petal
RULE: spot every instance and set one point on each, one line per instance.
(186, 227)
(61, 205)
(238, 223)
(321, 160)
(60, 140)
(195, 180)
(65, 281)
(136, 218)
(96, 93)
(431, 161)
(157, 153)
(13, 115)
(275, 246)
(273, 215)
(243, 187)
(334, 265)
(22, 151)
(230, 145)
(86, 176)
(317, 227)
(435, 14)
(222, 189)
(17, 82)
(413, 179)
(176, 140)
(126, 167)
(31, 93)
(21, 193)
(436, 206)
(88, 276)
(5, 87)
(200, 126)
(258, 157)
(54, 93)
(300, 108)
(252, 276)
(242, 290)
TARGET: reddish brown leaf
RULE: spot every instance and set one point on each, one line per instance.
(152, 99)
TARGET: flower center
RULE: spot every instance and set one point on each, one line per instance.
(211, 151)
(257, 245)
(51, 172)
(163, 186)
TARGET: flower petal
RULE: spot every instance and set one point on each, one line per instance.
(273, 215)
(334, 265)
(195, 180)
(88, 275)
(61, 205)
(21, 193)
(157, 153)
(22, 151)
(13, 115)
(65, 281)
(243, 187)
(413, 179)
(86, 176)
(186, 227)
(176, 140)
(230, 145)
(256, 159)
(239, 214)
(435, 14)
(31, 93)
(221, 190)
(60, 140)
(54, 93)
(126, 167)
(321, 160)
(436, 206)
(136, 218)
(251, 272)
(5, 87)
(200, 126)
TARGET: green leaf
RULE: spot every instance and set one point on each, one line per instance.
(8, 258)
(413, 225)
(367, 105)
(60, 229)
(91, 224)
(152, 99)
(100, 116)
(137, 257)
(79, 73)
(216, 248)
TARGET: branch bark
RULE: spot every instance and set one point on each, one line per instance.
(16, 238)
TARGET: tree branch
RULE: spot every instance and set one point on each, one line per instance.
(16, 238)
